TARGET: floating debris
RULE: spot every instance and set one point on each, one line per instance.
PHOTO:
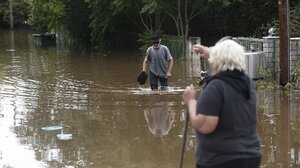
(52, 128)
(61, 136)
(64, 137)
(10, 50)
(148, 91)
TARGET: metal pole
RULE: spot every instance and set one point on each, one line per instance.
(184, 139)
(284, 41)
(11, 18)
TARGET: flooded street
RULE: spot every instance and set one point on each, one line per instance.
(112, 120)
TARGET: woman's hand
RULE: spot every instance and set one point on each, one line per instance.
(202, 50)
(189, 94)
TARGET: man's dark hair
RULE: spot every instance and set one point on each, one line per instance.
(155, 38)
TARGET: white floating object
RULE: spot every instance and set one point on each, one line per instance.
(11, 50)
(64, 137)
(52, 128)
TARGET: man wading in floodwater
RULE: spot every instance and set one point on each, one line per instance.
(161, 63)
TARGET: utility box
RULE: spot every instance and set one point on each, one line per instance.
(43, 39)
(255, 64)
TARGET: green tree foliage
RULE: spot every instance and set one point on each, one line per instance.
(295, 21)
(21, 10)
(234, 18)
(111, 16)
(183, 11)
(70, 16)
(46, 15)
(76, 20)
(104, 22)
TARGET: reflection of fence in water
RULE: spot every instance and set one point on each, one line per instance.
(294, 108)
(278, 118)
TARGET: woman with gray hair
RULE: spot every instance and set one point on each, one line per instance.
(224, 115)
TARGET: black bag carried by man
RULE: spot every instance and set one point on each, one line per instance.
(142, 78)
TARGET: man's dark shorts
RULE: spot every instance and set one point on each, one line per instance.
(154, 81)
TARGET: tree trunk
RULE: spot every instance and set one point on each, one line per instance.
(180, 17)
(10, 3)
(186, 21)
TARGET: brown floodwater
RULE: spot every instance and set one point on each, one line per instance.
(113, 122)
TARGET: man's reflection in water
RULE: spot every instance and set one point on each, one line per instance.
(160, 118)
